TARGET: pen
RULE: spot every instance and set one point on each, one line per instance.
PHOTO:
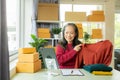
(71, 71)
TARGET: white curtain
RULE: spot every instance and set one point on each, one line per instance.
(34, 17)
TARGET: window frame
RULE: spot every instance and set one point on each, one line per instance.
(13, 55)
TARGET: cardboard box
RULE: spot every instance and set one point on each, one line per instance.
(27, 50)
(28, 57)
(98, 12)
(97, 31)
(79, 25)
(80, 30)
(43, 30)
(96, 18)
(80, 36)
(97, 36)
(28, 67)
(44, 35)
(48, 11)
(75, 16)
(80, 33)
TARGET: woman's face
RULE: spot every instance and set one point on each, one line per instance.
(69, 34)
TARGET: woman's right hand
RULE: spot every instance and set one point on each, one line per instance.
(77, 47)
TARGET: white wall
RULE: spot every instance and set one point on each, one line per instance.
(28, 24)
(109, 20)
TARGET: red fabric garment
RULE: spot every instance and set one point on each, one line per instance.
(100, 52)
(66, 57)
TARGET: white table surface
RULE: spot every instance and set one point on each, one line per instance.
(43, 75)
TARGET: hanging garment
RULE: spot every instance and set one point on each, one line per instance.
(97, 53)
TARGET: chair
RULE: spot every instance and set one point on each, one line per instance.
(117, 59)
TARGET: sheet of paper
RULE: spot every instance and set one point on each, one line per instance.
(72, 72)
(50, 63)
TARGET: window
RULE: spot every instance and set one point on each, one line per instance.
(12, 24)
(63, 9)
(77, 8)
(85, 8)
(82, 8)
(117, 31)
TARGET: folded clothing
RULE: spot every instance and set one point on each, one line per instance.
(102, 73)
(97, 67)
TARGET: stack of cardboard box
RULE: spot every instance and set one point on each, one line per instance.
(96, 16)
(28, 60)
(43, 33)
(80, 29)
(96, 34)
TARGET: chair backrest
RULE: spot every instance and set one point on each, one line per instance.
(48, 54)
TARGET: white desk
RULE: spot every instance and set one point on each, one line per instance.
(42, 75)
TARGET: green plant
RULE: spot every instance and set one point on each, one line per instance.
(37, 42)
(86, 37)
(56, 30)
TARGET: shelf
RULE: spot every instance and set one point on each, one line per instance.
(93, 2)
(51, 38)
(87, 25)
(82, 21)
(44, 21)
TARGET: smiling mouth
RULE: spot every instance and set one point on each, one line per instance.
(68, 38)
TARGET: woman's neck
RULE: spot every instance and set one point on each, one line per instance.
(69, 42)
